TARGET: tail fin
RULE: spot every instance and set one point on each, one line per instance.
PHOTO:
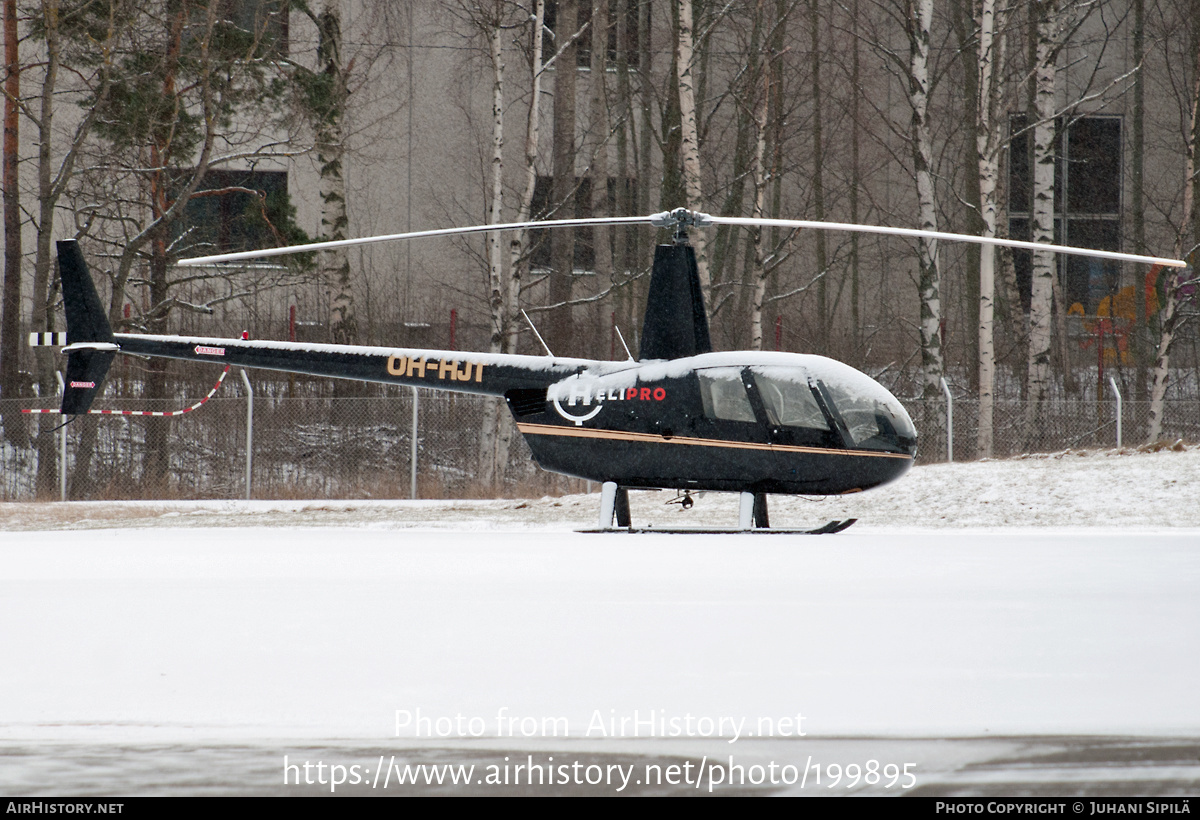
(91, 345)
(676, 324)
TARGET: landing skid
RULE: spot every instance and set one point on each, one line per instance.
(827, 529)
(752, 517)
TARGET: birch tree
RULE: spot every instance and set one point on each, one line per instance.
(495, 259)
(518, 258)
(918, 18)
(758, 167)
(492, 21)
(1179, 285)
(690, 139)
(763, 107)
(988, 143)
(1046, 18)
(1137, 187)
(328, 90)
(562, 243)
(329, 94)
(491, 465)
(517, 242)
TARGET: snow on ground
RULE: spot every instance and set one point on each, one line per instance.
(326, 632)
(1044, 596)
(1080, 488)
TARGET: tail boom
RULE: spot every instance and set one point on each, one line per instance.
(491, 374)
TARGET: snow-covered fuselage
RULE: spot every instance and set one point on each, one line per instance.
(743, 421)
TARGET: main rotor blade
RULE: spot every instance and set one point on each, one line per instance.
(955, 237)
(366, 240)
(692, 218)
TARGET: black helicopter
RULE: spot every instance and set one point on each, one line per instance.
(679, 417)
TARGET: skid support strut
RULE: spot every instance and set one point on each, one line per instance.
(752, 514)
(614, 503)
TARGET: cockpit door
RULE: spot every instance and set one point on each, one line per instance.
(792, 408)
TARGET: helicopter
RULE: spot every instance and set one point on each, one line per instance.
(679, 416)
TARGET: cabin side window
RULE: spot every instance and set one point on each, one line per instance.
(724, 395)
(790, 403)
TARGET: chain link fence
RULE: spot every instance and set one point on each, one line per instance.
(307, 444)
(1063, 425)
(303, 447)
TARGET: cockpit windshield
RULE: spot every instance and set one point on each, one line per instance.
(860, 408)
(874, 423)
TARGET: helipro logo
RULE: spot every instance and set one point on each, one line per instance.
(592, 394)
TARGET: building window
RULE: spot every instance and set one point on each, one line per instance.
(579, 208)
(583, 52)
(1087, 205)
(238, 211)
(264, 21)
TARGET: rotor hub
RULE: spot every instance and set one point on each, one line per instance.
(681, 219)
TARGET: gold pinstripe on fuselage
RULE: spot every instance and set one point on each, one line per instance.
(654, 438)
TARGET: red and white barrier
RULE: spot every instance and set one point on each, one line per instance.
(211, 393)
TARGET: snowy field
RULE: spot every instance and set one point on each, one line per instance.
(1026, 626)
(1094, 489)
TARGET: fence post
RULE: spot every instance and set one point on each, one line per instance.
(62, 445)
(949, 421)
(1113, 384)
(249, 430)
(412, 459)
